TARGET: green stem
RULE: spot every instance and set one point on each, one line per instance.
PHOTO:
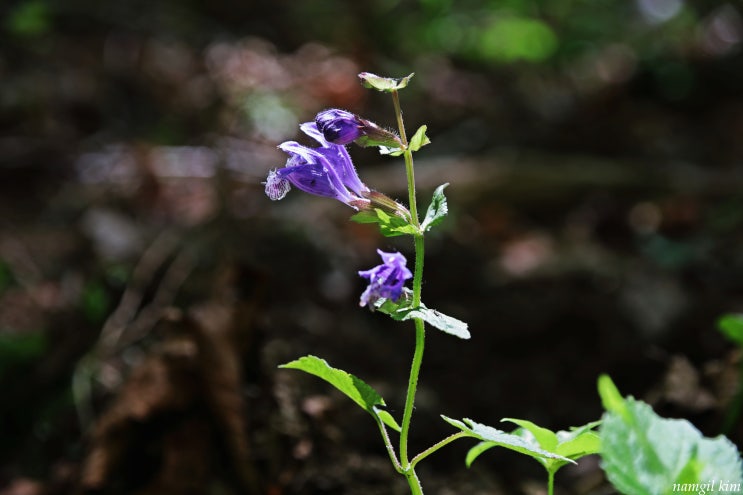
(420, 335)
(408, 155)
(550, 482)
(420, 331)
(388, 444)
(430, 450)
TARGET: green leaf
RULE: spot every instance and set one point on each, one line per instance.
(386, 84)
(732, 327)
(389, 225)
(436, 319)
(586, 443)
(643, 453)
(355, 388)
(544, 437)
(391, 151)
(437, 210)
(610, 397)
(402, 310)
(502, 439)
(574, 444)
(475, 452)
(419, 139)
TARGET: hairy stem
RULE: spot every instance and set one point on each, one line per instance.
(420, 331)
(433, 448)
(388, 444)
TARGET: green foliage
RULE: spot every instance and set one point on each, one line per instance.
(497, 438)
(30, 18)
(389, 225)
(356, 389)
(437, 210)
(403, 310)
(418, 141)
(515, 38)
(386, 84)
(564, 446)
(644, 454)
(731, 327)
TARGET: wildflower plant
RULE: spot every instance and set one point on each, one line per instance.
(327, 170)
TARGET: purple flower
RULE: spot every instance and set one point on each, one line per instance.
(323, 171)
(339, 126)
(342, 127)
(385, 280)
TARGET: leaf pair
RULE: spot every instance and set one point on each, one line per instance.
(552, 450)
(391, 225)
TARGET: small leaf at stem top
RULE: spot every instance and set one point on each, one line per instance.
(386, 84)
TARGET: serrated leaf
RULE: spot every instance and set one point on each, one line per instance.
(570, 444)
(502, 439)
(436, 319)
(544, 437)
(732, 327)
(419, 139)
(643, 453)
(402, 310)
(355, 388)
(389, 225)
(437, 210)
(386, 84)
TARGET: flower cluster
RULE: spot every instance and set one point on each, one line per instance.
(327, 170)
(385, 280)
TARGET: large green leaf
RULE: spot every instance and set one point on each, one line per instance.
(501, 439)
(644, 454)
(437, 210)
(355, 388)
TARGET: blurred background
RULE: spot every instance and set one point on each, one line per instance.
(149, 288)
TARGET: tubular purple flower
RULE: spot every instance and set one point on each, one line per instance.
(324, 171)
(385, 280)
(339, 126)
(342, 127)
